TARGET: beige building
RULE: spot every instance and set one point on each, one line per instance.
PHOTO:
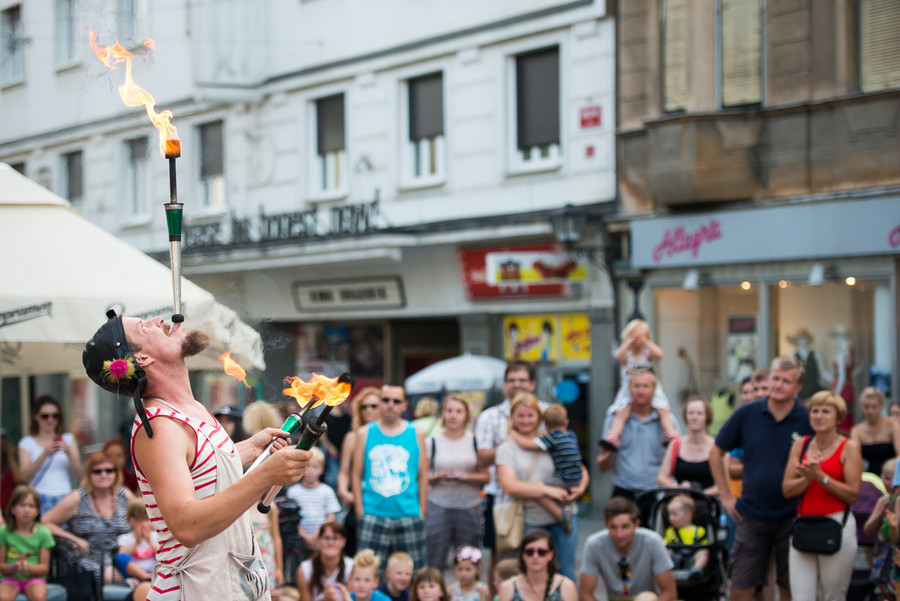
(758, 168)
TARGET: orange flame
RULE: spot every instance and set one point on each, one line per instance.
(134, 95)
(233, 369)
(319, 390)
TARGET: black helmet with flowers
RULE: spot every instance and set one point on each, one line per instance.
(110, 363)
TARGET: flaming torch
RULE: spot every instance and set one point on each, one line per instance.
(169, 145)
(319, 390)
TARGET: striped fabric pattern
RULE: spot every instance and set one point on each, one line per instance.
(203, 474)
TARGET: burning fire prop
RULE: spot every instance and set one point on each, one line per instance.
(169, 146)
(318, 391)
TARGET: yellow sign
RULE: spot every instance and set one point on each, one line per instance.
(540, 338)
(575, 337)
(531, 337)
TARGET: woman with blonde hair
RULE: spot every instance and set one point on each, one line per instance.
(878, 436)
(522, 472)
(825, 471)
(94, 515)
(366, 408)
(454, 516)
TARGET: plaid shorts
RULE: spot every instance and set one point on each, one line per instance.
(388, 535)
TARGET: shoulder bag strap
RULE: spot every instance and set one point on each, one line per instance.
(42, 470)
(533, 465)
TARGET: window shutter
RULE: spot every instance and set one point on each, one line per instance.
(537, 98)
(330, 123)
(741, 52)
(879, 44)
(211, 151)
(426, 106)
(675, 55)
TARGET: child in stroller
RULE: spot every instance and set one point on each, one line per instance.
(683, 534)
(689, 522)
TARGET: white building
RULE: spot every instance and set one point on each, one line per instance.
(352, 171)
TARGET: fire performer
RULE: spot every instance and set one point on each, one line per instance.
(189, 471)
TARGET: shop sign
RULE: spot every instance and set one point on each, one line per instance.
(547, 337)
(529, 267)
(473, 265)
(380, 293)
(797, 231)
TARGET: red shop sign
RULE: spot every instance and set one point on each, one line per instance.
(473, 268)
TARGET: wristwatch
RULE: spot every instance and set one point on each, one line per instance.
(826, 480)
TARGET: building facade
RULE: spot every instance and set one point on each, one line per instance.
(758, 172)
(371, 183)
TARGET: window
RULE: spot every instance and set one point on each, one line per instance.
(879, 45)
(331, 156)
(73, 172)
(675, 55)
(65, 32)
(212, 166)
(740, 31)
(537, 107)
(129, 18)
(426, 148)
(12, 57)
(137, 177)
(20, 167)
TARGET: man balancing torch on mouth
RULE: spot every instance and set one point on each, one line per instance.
(189, 470)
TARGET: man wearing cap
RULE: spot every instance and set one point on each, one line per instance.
(189, 470)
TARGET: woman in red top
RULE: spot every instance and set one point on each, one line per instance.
(826, 476)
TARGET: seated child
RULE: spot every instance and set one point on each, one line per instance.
(562, 444)
(503, 571)
(884, 570)
(467, 567)
(637, 350)
(397, 576)
(137, 549)
(683, 531)
(363, 579)
(24, 547)
(286, 593)
(428, 585)
(317, 501)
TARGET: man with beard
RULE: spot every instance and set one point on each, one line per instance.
(189, 470)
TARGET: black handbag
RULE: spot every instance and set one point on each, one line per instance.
(818, 534)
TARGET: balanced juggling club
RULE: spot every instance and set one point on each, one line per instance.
(174, 214)
(312, 432)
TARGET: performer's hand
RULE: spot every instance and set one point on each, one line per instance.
(262, 438)
(286, 466)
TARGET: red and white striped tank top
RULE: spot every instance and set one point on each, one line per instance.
(203, 474)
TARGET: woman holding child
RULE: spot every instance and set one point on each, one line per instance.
(522, 471)
(539, 578)
(454, 497)
(825, 471)
(686, 463)
(94, 515)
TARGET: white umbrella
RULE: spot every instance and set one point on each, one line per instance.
(466, 372)
(60, 273)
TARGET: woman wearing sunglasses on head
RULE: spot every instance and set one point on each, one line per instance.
(539, 578)
(49, 459)
(94, 515)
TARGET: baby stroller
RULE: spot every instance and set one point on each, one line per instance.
(711, 583)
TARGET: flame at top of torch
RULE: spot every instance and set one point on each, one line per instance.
(233, 369)
(134, 95)
(319, 389)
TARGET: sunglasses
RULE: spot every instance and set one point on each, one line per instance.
(390, 400)
(104, 470)
(48, 415)
(539, 552)
(369, 406)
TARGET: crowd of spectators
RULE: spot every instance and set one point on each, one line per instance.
(388, 504)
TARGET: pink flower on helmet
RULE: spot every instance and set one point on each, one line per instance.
(118, 368)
